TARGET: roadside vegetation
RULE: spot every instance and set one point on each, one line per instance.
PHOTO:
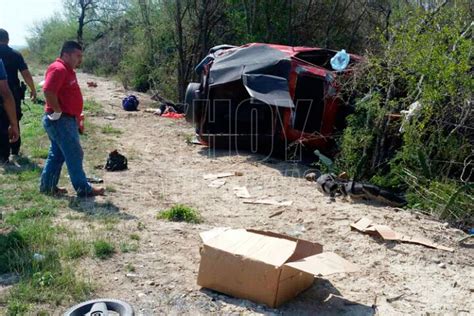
(414, 51)
(424, 64)
(39, 254)
(180, 213)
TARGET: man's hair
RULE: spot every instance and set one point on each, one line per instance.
(4, 36)
(69, 47)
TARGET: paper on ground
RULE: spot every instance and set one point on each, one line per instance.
(216, 183)
(242, 192)
(218, 175)
(269, 202)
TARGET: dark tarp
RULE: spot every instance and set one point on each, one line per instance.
(264, 71)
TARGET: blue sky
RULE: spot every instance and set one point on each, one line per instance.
(17, 16)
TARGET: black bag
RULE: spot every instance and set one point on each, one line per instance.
(116, 162)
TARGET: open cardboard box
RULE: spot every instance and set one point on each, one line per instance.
(262, 266)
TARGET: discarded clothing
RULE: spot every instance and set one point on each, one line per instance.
(332, 185)
(116, 162)
(173, 115)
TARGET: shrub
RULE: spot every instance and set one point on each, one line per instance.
(180, 213)
(103, 249)
(426, 59)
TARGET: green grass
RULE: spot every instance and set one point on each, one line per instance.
(180, 213)
(128, 247)
(74, 249)
(135, 237)
(30, 231)
(92, 107)
(109, 129)
(103, 249)
(130, 268)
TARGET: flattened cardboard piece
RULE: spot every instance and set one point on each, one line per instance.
(269, 202)
(425, 242)
(386, 232)
(365, 225)
(241, 192)
(218, 175)
(362, 224)
(322, 264)
(258, 247)
(216, 183)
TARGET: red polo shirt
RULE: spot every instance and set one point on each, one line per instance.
(62, 81)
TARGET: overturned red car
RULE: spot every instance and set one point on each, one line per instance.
(266, 97)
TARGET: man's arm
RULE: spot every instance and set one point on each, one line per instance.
(52, 100)
(10, 109)
(29, 81)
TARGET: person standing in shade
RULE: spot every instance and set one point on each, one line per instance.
(64, 104)
(8, 123)
(14, 63)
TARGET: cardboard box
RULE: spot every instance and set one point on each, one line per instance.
(262, 266)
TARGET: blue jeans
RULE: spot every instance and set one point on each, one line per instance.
(65, 147)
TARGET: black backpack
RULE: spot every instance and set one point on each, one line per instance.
(116, 162)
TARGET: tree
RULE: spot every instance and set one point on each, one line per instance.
(88, 12)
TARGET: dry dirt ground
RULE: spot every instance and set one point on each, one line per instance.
(395, 278)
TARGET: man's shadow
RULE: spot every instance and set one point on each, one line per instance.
(90, 207)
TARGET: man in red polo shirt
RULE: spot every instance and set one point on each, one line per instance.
(63, 107)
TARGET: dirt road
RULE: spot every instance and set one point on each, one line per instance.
(395, 279)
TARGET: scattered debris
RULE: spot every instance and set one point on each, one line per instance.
(173, 115)
(110, 117)
(276, 214)
(9, 278)
(38, 257)
(116, 162)
(413, 111)
(396, 298)
(463, 240)
(130, 103)
(216, 183)
(91, 84)
(297, 231)
(194, 141)
(95, 180)
(385, 232)
(331, 185)
(250, 264)
(269, 202)
(242, 192)
(221, 175)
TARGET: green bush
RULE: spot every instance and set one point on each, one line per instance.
(180, 213)
(426, 59)
(13, 252)
(103, 249)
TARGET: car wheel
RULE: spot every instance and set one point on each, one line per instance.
(100, 307)
(193, 108)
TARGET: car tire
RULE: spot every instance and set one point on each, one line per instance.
(193, 108)
(121, 307)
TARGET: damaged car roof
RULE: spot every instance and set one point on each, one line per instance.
(263, 68)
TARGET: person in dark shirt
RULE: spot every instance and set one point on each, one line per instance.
(14, 63)
(9, 125)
